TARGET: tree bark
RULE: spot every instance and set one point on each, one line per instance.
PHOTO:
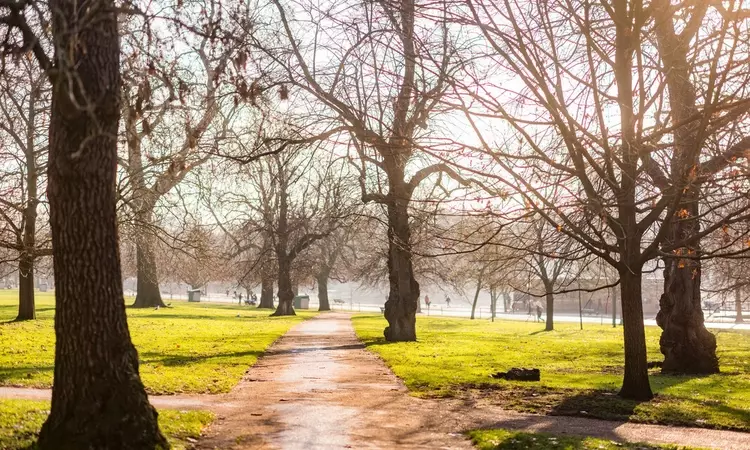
(550, 325)
(148, 294)
(26, 307)
(401, 307)
(27, 258)
(687, 345)
(322, 280)
(738, 305)
(98, 400)
(635, 384)
(506, 301)
(286, 292)
(266, 291)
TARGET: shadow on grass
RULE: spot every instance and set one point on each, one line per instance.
(8, 374)
(180, 360)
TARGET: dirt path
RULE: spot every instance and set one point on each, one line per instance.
(318, 388)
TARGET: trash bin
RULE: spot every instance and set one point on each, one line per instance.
(194, 295)
(302, 302)
(43, 287)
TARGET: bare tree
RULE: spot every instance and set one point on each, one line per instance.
(179, 100)
(24, 113)
(381, 80)
(591, 114)
(98, 398)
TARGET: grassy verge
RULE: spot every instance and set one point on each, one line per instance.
(189, 348)
(21, 420)
(581, 371)
(514, 440)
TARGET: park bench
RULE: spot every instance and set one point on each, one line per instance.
(589, 311)
(338, 301)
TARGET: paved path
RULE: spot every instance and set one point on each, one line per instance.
(318, 388)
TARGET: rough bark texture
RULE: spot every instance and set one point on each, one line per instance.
(266, 291)
(98, 400)
(686, 344)
(635, 384)
(322, 280)
(401, 307)
(26, 307)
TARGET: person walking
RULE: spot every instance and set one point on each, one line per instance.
(447, 301)
(539, 313)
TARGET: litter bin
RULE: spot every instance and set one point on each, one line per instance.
(302, 302)
(43, 287)
(194, 295)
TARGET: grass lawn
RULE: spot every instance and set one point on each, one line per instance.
(189, 348)
(581, 370)
(21, 420)
(514, 440)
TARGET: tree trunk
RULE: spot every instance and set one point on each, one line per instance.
(506, 301)
(98, 400)
(322, 280)
(550, 325)
(401, 307)
(148, 294)
(493, 303)
(476, 295)
(26, 307)
(738, 305)
(266, 291)
(635, 384)
(286, 293)
(687, 345)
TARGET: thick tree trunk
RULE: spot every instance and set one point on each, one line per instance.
(286, 293)
(687, 345)
(148, 294)
(98, 400)
(635, 384)
(266, 291)
(322, 280)
(401, 307)
(738, 305)
(550, 325)
(26, 307)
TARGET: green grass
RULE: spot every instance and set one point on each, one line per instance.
(500, 439)
(20, 421)
(581, 370)
(189, 348)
